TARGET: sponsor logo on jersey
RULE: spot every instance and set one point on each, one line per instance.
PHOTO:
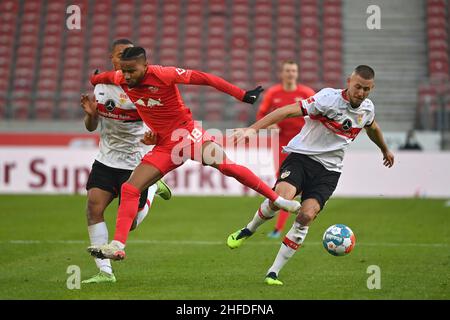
(180, 71)
(285, 174)
(310, 100)
(150, 103)
(110, 105)
(347, 124)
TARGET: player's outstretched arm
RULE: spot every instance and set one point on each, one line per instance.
(289, 111)
(375, 134)
(90, 109)
(203, 78)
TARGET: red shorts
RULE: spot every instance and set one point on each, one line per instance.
(184, 143)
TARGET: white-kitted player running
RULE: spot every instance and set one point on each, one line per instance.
(121, 132)
(333, 119)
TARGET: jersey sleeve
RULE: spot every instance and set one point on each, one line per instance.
(371, 116)
(207, 79)
(315, 105)
(265, 105)
(172, 75)
(110, 77)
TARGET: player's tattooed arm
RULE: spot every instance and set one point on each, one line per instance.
(91, 114)
(376, 135)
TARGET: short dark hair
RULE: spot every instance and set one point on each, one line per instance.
(287, 62)
(133, 53)
(365, 72)
(120, 41)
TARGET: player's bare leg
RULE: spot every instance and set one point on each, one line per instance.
(97, 202)
(214, 155)
(265, 212)
(142, 177)
(293, 239)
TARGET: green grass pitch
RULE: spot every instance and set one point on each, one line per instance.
(179, 251)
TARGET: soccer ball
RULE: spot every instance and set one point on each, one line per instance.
(338, 240)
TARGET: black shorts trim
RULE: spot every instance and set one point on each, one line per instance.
(309, 177)
(111, 179)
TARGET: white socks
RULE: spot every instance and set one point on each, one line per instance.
(98, 234)
(144, 211)
(263, 214)
(292, 241)
(288, 205)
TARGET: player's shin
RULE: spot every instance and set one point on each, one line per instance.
(247, 178)
(98, 235)
(127, 212)
(292, 241)
(142, 213)
(264, 213)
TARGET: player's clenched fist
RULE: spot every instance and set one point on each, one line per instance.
(252, 95)
(240, 134)
(149, 138)
(89, 106)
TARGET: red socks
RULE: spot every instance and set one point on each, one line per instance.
(128, 208)
(281, 221)
(247, 178)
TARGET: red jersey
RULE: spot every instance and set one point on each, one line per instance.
(158, 99)
(277, 97)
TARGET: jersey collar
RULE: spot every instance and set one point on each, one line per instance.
(344, 95)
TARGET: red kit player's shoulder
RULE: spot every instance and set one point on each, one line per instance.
(274, 89)
(168, 75)
(307, 91)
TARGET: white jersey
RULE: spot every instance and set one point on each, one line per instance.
(330, 125)
(121, 128)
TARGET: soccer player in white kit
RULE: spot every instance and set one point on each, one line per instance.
(121, 134)
(333, 119)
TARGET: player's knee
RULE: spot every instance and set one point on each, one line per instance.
(308, 212)
(286, 190)
(128, 189)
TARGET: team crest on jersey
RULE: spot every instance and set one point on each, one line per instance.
(359, 119)
(285, 174)
(122, 98)
(347, 124)
(153, 89)
(110, 105)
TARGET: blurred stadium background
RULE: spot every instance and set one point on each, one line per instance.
(45, 67)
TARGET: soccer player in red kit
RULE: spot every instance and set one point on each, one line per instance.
(153, 90)
(285, 93)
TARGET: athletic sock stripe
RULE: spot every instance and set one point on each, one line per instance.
(262, 216)
(291, 244)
